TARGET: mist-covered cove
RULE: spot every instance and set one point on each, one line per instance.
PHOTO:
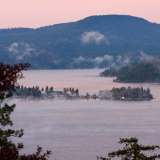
(83, 129)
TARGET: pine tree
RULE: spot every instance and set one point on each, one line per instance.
(133, 151)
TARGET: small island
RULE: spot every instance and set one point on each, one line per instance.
(143, 72)
(122, 93)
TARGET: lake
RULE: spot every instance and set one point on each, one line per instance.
(83, 129)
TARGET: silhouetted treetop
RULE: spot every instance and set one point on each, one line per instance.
(10, 74)
(133, 151)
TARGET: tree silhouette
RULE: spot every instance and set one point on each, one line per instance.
(133, 151)
(9, 150)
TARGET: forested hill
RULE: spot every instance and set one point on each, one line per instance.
(135, 73)
(96, 41)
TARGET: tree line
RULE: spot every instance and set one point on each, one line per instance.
(134, 73)
(35, 91)
(126, 93)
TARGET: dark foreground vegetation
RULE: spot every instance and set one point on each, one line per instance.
(133, 151)
(135, 73)
(8, 149)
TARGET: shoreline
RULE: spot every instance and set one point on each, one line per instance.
(80, 98)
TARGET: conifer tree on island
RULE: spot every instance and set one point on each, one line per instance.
(9, 150)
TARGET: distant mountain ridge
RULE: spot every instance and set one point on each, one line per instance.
(96, 41)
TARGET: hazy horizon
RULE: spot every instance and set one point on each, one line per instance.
(38, 13)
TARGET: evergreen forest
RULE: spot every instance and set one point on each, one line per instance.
(135, 73)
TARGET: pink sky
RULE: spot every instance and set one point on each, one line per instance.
(37, 13)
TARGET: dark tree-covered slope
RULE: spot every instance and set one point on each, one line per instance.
(96, 41)
(135, 73)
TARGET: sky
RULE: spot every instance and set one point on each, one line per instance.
(38, 13)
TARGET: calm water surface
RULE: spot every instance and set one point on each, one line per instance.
(84, 129)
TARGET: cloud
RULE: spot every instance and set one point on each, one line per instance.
(102, 62)
(79, 59)
(150, 59)
(13, 48)
(145, 57)
(93, 36)
(106, 60)
(97, 60)
(119, 59)
(126, 60)
(20, 50)
(108, 57)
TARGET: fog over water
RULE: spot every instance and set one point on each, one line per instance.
(83, 129)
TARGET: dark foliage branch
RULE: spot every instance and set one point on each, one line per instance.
(10, 74)
(9, 150)
(133, 151)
